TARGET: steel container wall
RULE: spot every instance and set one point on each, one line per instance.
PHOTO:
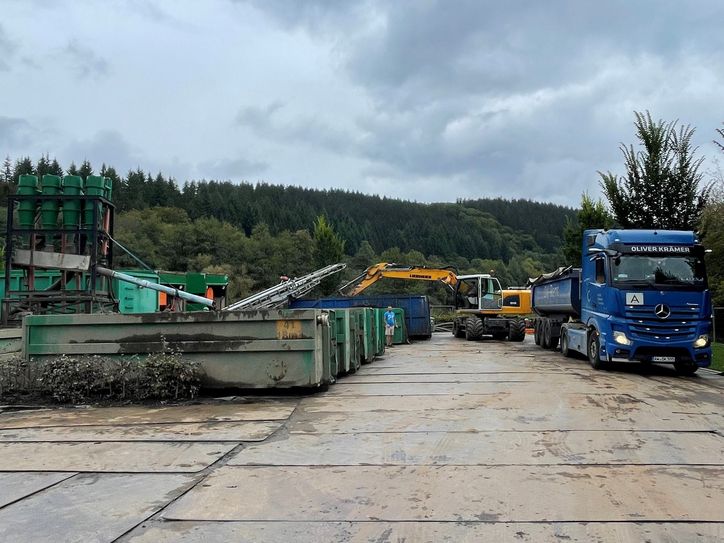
(135, 299)
(368, 337)
(560, 295)
(346, 331)
(245, 349)
(329, 349)
(400, 328)
(356, 330)
(380, 331)
(416, 309)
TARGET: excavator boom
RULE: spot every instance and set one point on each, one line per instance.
(394, 271)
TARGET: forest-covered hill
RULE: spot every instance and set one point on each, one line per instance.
(257, 232)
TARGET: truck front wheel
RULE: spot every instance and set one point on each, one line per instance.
(594, 351)
(564, 344)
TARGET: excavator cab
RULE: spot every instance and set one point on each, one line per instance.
(478, 292)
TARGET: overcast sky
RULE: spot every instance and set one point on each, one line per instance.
(424, 100)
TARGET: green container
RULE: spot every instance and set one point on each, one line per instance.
(95, 185)
(329, 348)
(52, 186)
(380, 331)
(356, 331)
(368, 337)
(135, 299)
(246, 349)
(72, 186)
(27, 186)
(345, 331)
(43, 281)
(400, 328)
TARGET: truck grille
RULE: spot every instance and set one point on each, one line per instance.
(680, 325)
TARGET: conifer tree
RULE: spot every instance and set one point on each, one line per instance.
(661, 185)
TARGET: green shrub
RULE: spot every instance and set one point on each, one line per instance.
(87, 379)
(18, 378)
(168, 377)
(69, 379)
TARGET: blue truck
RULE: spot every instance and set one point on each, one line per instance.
(639, 295)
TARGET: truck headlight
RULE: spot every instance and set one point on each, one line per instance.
(621, 339)
(702, 341)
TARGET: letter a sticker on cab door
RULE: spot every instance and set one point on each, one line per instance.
(634, 298)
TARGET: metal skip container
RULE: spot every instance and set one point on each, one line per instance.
(369, 337)
(245, 349)
(345, 332)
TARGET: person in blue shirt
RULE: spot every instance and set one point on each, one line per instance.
(389, 325)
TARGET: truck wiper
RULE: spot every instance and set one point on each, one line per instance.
(634, 283)
(674, 281)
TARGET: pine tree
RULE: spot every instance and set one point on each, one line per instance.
(55, 168)
(85, 169)
(73, 169)
(23, 166)
(591, 215)
(43, 166)
(328, 249)
(7, 171)
(661, 186)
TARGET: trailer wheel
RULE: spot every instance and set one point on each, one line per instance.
(545, 334)
(594, 351)
(553, 339)
(516, 330)
(685, 368)
(564, 344)
(536, 332)
(473, 328)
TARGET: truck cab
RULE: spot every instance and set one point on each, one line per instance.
(644, 296)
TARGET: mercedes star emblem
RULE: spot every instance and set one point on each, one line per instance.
(662, 311)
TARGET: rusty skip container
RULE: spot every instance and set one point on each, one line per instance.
(245, 349)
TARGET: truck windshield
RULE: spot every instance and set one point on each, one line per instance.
(635, 270)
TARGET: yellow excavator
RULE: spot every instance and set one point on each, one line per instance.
(482, 307)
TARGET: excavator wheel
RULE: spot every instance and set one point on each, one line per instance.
(473, 328)
(457, 332)
(516, 330)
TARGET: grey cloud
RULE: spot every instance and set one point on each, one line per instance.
(7, 49)
(233, 168)
(84, 61)
(316, 15)
(526, 100)
(268, 123)
(105, 147)
(15, 132)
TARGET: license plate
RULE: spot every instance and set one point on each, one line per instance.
(663, 358)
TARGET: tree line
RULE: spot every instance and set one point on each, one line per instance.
(258, 232)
